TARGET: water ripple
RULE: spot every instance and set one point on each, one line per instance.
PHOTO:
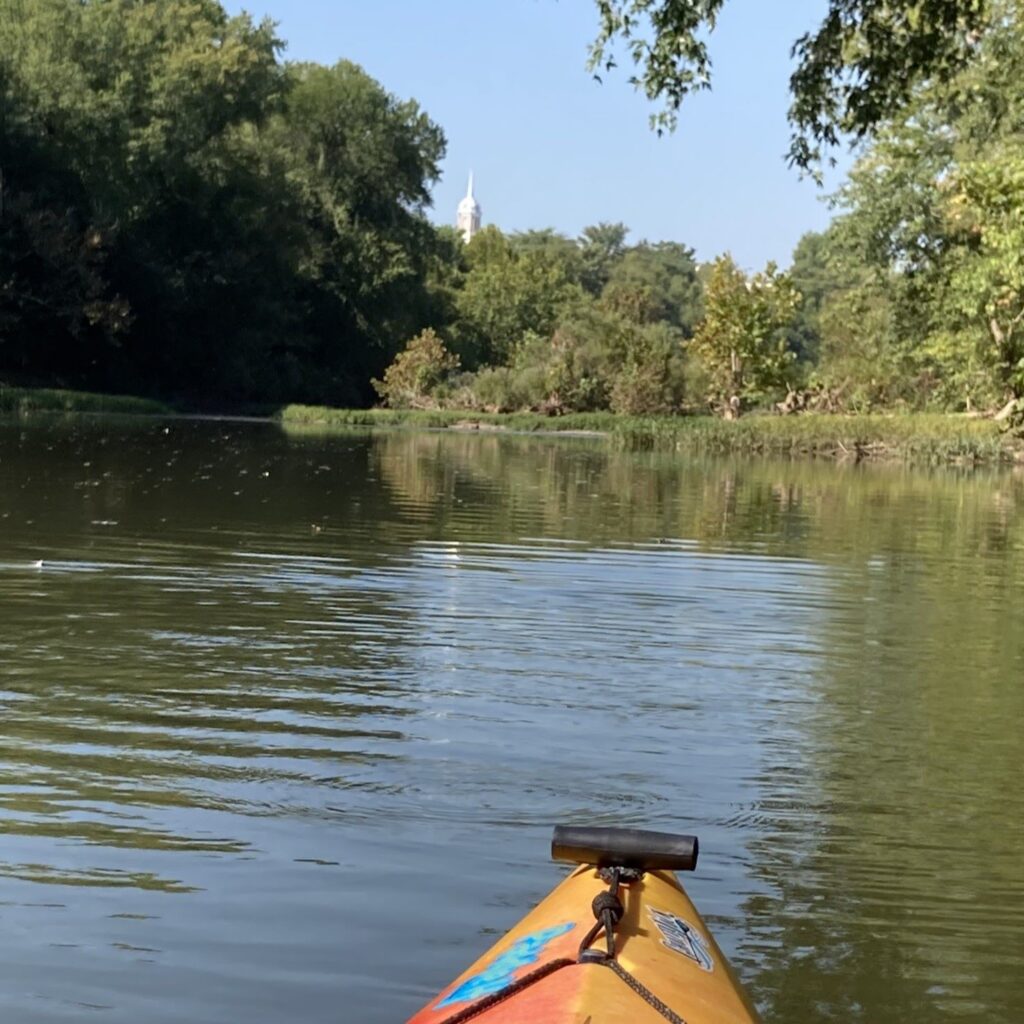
(329, 721)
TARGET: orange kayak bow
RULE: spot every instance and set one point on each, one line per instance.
(617, 942)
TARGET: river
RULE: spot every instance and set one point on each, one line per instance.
(286, 718)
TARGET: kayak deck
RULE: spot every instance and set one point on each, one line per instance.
(532, 975)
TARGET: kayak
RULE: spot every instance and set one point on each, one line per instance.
(617, 942)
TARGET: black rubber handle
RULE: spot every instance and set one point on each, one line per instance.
(624, 848)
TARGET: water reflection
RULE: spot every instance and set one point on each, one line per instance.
(273, 702)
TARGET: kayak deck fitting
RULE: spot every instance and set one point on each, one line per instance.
(617, 942)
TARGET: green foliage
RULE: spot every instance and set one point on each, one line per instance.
(114, 114)
(594, 360)
(601, 246)
(930, 232)
(507, 293)
(553, 248)
(361, 164)
(130, 94)
(538, 340)
(602, 360)
(502, 389)
(813, 273)
(182, 213)
(986, 276)
(419, 370)
(849, 332)
(649, 380)
(576, 378)
(742, 339)
(662, 282)
(861, 361)
(858, 68)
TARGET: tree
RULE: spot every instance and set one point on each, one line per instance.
(411, 381)
(359, 164)
(132, 109)
(986, 282)
(815, 275)
(601, 247)
(859, 67)
(663, 275)
(553, 247)
(742, 338)
(928, 229)
(648, 375)
(131, 94)
(57, 308)
(507, 295)
(183, 214)
(862, 362)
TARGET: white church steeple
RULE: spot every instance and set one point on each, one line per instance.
(467, 220)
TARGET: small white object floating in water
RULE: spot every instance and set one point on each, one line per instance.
(38, 564)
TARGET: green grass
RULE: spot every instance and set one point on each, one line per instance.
(920, 437)
(323, 416)
(26, 400)
(917, 437)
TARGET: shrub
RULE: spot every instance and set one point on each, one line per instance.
(649, 379)
(575, 380)
(418, 372)
(506, 389)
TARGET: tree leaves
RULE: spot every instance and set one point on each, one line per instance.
(742, 338)
(263, 225)
(857, 68)
(667, 45)
(933, 213)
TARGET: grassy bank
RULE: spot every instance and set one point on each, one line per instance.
(918, 437)
(25, 400)
(925, 437)
(317, 415)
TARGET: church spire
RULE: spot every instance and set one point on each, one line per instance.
(467, 219)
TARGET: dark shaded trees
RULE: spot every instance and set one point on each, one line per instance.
(184, 214)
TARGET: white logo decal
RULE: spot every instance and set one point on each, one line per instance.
(681, 936)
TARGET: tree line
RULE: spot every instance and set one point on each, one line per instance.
(185, 214)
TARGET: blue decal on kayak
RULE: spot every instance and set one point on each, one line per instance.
(501, 973)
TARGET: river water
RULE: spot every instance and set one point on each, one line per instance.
(285, 719)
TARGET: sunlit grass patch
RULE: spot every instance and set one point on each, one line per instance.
(929, 437)
(28, 400)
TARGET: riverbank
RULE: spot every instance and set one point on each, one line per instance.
(911, 437)
(28, 400)
(920, 437)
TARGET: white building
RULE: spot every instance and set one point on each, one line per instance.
(467, 220)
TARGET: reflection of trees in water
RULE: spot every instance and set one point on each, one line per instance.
(506, 487)
(275, 676)
(200, 649)
(216, 654)
(102, 878)
(887, 842)
(894, 865)
(584, 490)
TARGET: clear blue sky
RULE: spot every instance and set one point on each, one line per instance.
(551, 148)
